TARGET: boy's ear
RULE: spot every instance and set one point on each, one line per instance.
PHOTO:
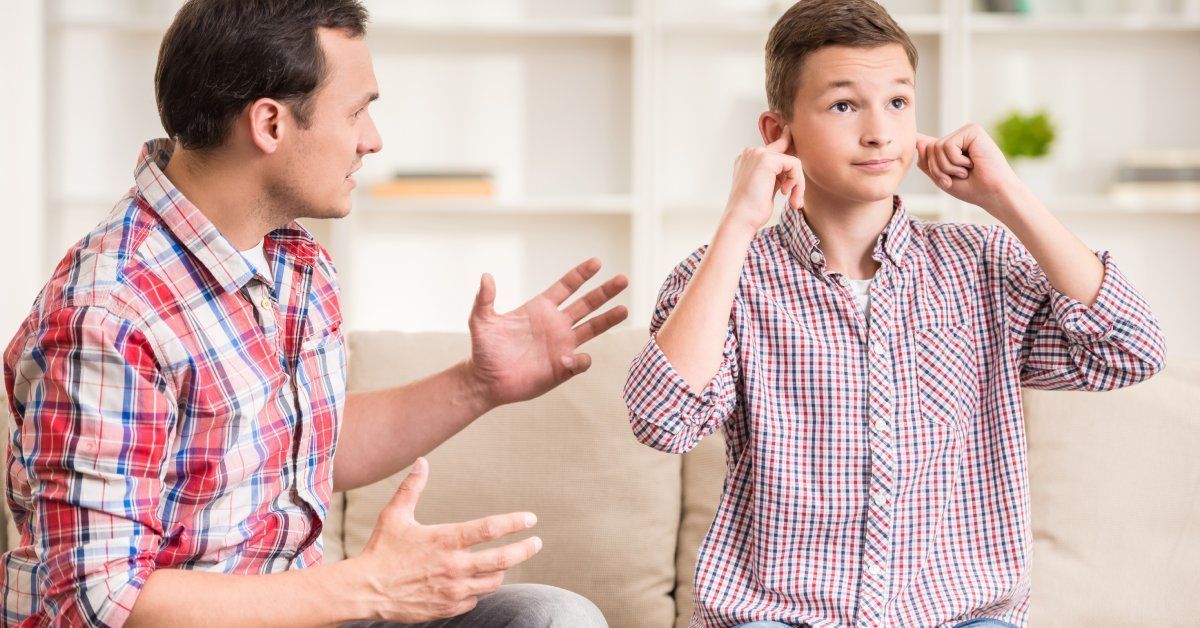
(770, 126)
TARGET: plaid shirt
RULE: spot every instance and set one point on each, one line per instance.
(877, 475)
(172, 409)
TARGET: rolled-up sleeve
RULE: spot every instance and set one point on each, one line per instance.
(96, 417)
(1063, 344)
(664, 411)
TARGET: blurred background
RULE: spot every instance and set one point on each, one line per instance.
(522, 136)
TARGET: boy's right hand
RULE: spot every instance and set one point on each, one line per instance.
(759, 173)
(417, 573)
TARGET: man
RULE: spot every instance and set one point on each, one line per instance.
(178, 388)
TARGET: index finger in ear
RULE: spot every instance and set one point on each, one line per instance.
(781, 144)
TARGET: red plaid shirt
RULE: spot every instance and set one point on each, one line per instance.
(172, 409)
(877, 474)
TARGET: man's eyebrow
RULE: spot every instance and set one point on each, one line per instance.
(849, 83)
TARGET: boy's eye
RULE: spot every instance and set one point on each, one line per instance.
(841, 107)
(899, 103)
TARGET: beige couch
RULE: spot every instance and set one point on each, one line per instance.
(1115, 478)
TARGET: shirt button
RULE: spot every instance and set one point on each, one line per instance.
(877, 347)
(816, 257)
(875, 570)
(879, 499)
(843, 280)
(266, 303)
(878, 425)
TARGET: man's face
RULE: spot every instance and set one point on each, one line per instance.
(317, 172)
(854, 121)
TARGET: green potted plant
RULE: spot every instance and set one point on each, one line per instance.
(1026, 140)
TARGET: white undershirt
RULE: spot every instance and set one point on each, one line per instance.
(257, 257)
(860, 289)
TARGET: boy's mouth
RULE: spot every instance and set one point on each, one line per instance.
(875, 165)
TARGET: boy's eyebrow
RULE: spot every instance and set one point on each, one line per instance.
(372, 97)
(850, 83)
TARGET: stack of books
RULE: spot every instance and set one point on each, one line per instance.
(1160, 174)
(435, 184)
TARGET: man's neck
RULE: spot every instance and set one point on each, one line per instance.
(848, 231)
(224, 195)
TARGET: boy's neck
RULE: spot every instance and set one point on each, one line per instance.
(848, 231)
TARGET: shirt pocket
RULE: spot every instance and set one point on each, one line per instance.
(946, 374)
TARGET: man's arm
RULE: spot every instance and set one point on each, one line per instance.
(407, 573)
(514, 356)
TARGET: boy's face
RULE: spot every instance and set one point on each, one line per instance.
(854, 121)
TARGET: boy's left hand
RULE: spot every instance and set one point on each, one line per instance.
(969, 166)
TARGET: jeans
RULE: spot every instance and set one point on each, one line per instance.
(516, 606)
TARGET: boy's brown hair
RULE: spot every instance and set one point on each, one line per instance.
(814, 24)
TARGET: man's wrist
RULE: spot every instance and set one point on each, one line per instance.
(349, 584)
(474, 388)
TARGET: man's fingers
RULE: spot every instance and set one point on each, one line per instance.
(577, 363)
(570, 282)
(505, 557)
(485, 299)
(485, 584)
(599, 324)
(470, 533)
(592, 301)
(405, 499)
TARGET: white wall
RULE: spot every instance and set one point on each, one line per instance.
(21, 208)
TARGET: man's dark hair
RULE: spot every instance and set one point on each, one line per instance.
(220, 55)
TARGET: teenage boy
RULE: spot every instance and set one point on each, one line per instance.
(867, 367)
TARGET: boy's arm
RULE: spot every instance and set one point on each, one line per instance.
(1079, 323)
(681, 386)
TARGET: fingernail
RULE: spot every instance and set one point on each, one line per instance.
(537, 544)
(945, 183)
(530, 520)
(568, 361)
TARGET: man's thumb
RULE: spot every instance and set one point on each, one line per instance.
(410, 489)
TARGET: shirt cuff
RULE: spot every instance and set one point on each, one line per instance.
(657, 394)
(1082, 323)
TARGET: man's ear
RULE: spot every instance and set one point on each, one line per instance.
(267, 118)
(770, 126)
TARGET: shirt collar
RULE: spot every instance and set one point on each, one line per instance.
(804, 245)
(198, 235)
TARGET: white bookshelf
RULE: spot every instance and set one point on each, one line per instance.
(610, 127)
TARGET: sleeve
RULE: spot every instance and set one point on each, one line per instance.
(96, 427)
(1062, 344)
(664, 412)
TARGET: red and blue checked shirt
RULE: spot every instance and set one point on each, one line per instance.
(876, 474)
(172, 409)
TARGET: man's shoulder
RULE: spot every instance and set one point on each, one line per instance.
(112, 267)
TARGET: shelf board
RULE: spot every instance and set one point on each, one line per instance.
(914, 24)
(1057, 24)
(568, 205)
(567, 27)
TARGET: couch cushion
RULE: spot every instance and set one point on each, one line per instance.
(1115, 486)
(608, 507)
